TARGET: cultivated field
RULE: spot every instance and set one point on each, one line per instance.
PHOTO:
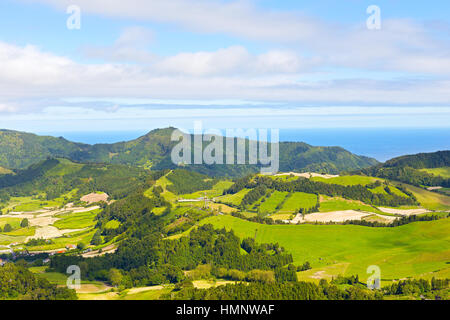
(298, 200)
(347, 180)
(233, 199)
(334, 216)
(410, 250)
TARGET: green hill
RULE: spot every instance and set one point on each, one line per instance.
(410, 169)
(421, 160)
(18, 150)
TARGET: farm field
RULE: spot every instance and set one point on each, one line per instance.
(430, 200)
(409, 250)
(270, 205)
(328, 204)
(444, 172)
(234, 199)
(298, 200)
(216, 191)
(348, 180)
(75, 220)
(162, 182)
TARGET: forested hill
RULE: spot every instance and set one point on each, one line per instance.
(408, 169)
(421, 160)
(18, 150)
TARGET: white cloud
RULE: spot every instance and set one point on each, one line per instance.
(239, 18)
(401, 44)
(28, 73)
(5, 108)
(131, 46)
(234, 60)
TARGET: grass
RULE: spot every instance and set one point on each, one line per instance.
(8, 239)
(159, 211)
(84, 236)
(27, 232)
(270, 205)
(406, 251)
(65, 167)
(444, 172)
(282, 216)
(113, 224)
(430, 200)
(216, 191)
(338, 204)
(163, 182)
(29, 204)
(234, 199)
(5, 171)
(146, 295)
(299, 200)
(222, 208)
(77, 220)
(13, 222)
(378, 190)
(348, 180)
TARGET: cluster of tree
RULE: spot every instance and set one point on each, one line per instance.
(407, 175)
(16, 282)
(422, 160)
(38, 242)
(128, 211)
(310, 210)
(257, 219)
(254, 195)
(416, 287)
(116, 180)
(267, 276)
(277, 291)
(145, 258)
(406, 169)
(304, 267)
(189, 219)
(238, 185)
(355, 192)
(184, 182)
(398, 222)
(6, 228)
(351, 280)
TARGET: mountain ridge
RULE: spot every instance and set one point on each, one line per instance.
(18, 150)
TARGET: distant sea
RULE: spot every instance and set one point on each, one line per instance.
(381, 144)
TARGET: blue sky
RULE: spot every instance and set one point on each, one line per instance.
(260, 63)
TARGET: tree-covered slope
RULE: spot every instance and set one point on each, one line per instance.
(55, 177)
(407, 169)
(421, 160)
(153, 150)
(18, 150)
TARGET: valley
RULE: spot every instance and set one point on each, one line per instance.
(304, 227)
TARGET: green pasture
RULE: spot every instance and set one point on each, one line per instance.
(299, 200)
(234, 199)
(407, 251)
(444, 172)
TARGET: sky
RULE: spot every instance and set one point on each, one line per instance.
(142, 64)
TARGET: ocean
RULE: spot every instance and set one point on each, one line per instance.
(381, 144)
